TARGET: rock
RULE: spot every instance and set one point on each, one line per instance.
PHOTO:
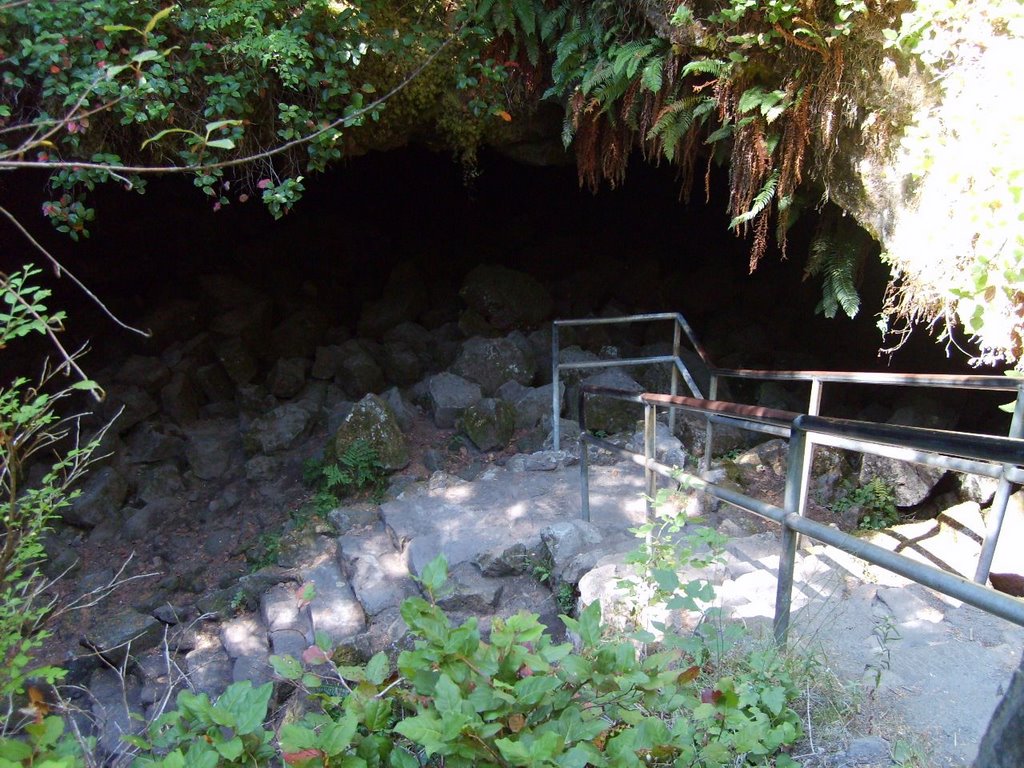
(243, 636)
(489, 423)
(565, 540)
(601, 584)
(141, 523)
(256, 669)
(911, 483)
(129, 632)
(401, 363)
(666, 445)
(210, 669)
(607, 414)
(334, 611)
(492, 362)
(299, 334)
(227, 291)
(868, 750)
(280, 609)
(287, 377)
(470, 591)
(213, 448)
(148, 373)
(402, 410)
(127, 406)
(1002, 746)
(279, 430)
(236, 359)
(450, 395)
(358, 372)
(116, 710)
(381, 581)
(540, 461)
(532, 404)
(510, 559)
(692, 431)
(345, 519)
(158, 481)
(505, 298)
(152, 442)
(327, 362)
(103, 494)
(214, 383)
(977, 488)
(179, 399)
(372, 421)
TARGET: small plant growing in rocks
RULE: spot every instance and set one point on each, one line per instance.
(876, 501)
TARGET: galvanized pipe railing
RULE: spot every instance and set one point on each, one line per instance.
(818, 379)
(679, 369)
(931, 447)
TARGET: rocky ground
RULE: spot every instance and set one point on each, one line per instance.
(232, 553)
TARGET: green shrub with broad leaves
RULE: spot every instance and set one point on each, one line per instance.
(516, 698)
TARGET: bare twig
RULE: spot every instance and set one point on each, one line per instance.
(60, 268)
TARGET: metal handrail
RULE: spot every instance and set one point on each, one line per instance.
(932, 446)
(679, 369)
(817, 380)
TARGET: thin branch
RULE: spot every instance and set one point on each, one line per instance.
(288, 145)
(60, 268)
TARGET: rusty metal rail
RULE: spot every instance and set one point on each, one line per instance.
(997, 456)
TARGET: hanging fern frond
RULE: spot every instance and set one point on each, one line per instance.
(838, 263)
(713, 67)
(761, 201)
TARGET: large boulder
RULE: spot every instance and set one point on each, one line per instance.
(277, 431)
(489, 423)
(449, 396)
(373, 421)
(608, 414)
(531, 404)
(911, 483)
(104, 493)
(492, 362)
(1002, 745)
(506, 298)
(358, 372)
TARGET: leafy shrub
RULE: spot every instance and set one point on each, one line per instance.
(357, 470)
(31, 432)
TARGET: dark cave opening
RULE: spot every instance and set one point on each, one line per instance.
(637, 248)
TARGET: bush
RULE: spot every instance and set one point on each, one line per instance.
(32, 433)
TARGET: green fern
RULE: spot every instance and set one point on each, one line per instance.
(357, 469)
(761, 200)
(837, 262)
(712, 67)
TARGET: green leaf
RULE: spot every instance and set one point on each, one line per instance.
(230, 749)
(435, 575)
(590, 625)
(143, 56)
(218, 124)
(377, 668)
(166, 132)
(400, 757)
(120, 28)
(287, 667)
(156, 18)
(15, 751)
(336, 737)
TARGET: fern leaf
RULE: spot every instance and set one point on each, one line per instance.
(651, 78)
(761, 200)
(837, 264)
(552, 22)
(712, 67)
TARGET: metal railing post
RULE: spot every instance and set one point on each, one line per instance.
(796, 481)
(814, 404)
(650, 478)
(556, 403)
(709, 434)
(998, 510)
(584, 458)
(674, 387)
